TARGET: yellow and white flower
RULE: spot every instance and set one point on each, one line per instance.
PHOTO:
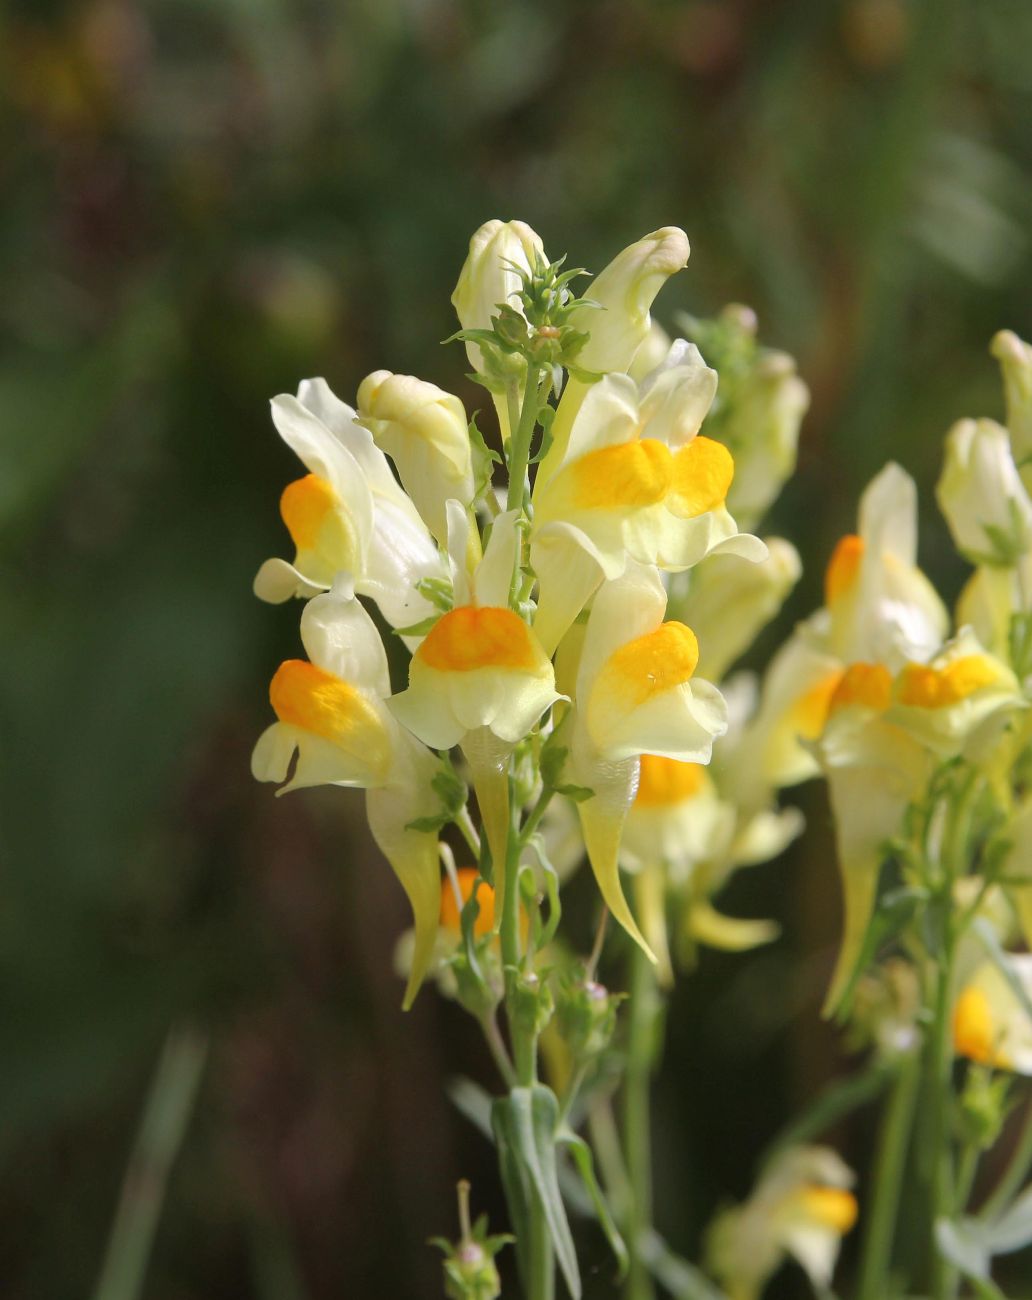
(348, 514)
(945, 703)
(880, 606)
(635, 482)
(480, 678)
(983, 498)
(801, 1208)
(762, 427)
(624, 292)
(425, 432)
(874, 770)
(990, 1025)
(490, 277)
(635, 694)
(331, 714)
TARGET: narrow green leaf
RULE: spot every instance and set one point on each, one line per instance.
(527, 1121)
(585, 1163)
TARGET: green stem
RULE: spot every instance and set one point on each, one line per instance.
(643, 1012)
(540, 1280)
(519, 442)
(890, 1161)
(938, 1150)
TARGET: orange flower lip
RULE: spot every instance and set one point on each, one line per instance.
(633, 475)
(308, 697)
(650, 664)
(304, 505)
(667, 781)
(937, 688)
(868, 685)
(469, 638)
(843, 567)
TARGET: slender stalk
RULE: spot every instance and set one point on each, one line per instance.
(499, 1053)
(890, 1161)
(165, 1117)
(540, 1279)
(519, 443)
(643, 1010)
(938, 1152)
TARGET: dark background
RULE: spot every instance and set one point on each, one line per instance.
(205, 201)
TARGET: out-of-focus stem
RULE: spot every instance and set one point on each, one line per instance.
(165, 1117)
(643, 1009)
(890, 1161)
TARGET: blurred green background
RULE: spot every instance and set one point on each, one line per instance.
(205, 201)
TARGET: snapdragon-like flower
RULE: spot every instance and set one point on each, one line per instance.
(480, 678)
(982, 496)
(801, 1207)
(990, 1024)
(762, 431)
(425, 432)
(619, 324)
(636, 482)
(874, 769)
(945, 702)
(635, 694)
(331, 715)
(348, 514)
(880, 606)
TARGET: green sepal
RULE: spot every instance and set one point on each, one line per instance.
(484, 459)
(452, 792)
(438, 591)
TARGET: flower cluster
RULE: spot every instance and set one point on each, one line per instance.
(626, 491)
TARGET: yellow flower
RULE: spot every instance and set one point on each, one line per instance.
(348, 514)
(1015, 358)
(880, 606)
(990, 1025)
(985, 503)
(636, 482)
(480, 678)
(331, 714)
(425, 432)
(625, 290)
(802, 1207)
(874, 770)
(945, 703)
(635, 694)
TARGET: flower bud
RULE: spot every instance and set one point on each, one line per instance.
(762, 429)
(985, 503)
(490, 278)
(625, 291)
(1015, 358)
(424, 431)
(586, 1017)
